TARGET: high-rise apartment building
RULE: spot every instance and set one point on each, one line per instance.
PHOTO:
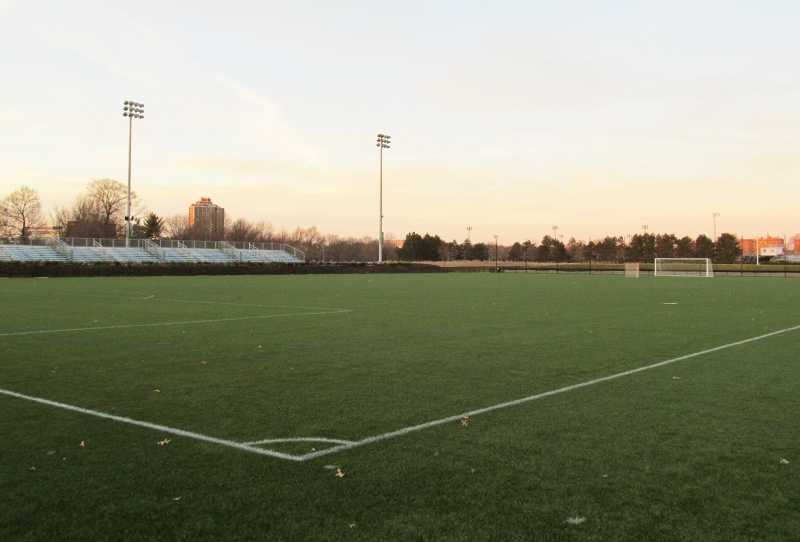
(207, 219)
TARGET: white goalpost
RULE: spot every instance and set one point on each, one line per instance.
(683, 267)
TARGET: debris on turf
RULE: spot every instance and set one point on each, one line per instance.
(351, 525)
(51, 452)
(156, 390)
(82, 444)
(164, 442)
(465, 421)
(676, 378)
(339, 473)
(784, 461)
(576, 520)
(176, 499)
(32, 469)
(331, 467)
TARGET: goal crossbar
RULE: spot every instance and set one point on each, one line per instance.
(683, 267)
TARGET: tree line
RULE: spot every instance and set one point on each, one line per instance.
(639, 248)
(99, 212)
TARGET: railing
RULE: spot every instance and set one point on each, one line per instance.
(61, 248)
(229, 247)
(153, 249)
(230, 250)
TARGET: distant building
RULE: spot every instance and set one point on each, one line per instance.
(207, 219)
(767, 247)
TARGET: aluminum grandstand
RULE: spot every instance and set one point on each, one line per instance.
(146, 251)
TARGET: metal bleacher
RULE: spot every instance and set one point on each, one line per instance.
(143, 251)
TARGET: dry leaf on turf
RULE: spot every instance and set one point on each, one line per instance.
(164, 442)
(339, 473)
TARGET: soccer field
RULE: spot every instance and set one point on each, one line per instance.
(451, 406)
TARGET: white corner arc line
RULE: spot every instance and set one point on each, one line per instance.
(175, 323)
(298, 439)
(515, 402)
(153, 426)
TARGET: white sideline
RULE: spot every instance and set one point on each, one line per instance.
(476, 412)
(247, 447)
(177, 323)
(153, 426)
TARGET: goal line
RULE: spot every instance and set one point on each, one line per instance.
(250, 447)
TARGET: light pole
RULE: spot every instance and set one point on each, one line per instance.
(132, 110)
(496, 260)
(469, 234)
(645, 227)
(715, 216)
(383, 143)
(555, 233)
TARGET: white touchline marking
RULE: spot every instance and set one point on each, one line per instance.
(177, 323)
(392, 434)
(153, 426)
(298, 439)
(476, 412)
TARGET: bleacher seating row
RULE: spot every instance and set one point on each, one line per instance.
(49, 253)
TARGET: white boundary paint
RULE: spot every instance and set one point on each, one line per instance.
(176, 323)
(153, 426)
(347, 445)
(298, 439)
(457, 417)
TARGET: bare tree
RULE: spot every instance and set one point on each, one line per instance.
(240, 230)
(177, 227)
(20, 212)
(111, 199)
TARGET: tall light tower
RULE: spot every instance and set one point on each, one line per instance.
(469, 234)
(383, 143)
(132, 110)
(555, 233)
(715, 216)
(645, 227)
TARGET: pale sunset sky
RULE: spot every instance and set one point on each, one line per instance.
(509, 116)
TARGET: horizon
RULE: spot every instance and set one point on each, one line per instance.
(507, 120)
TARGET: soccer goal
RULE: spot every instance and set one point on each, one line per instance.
(683, 267)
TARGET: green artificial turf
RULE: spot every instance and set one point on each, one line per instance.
(696, 450)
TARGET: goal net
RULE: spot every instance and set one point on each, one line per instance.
(683, 267)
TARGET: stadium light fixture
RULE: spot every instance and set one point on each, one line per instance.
(131, 110)
(384, 142)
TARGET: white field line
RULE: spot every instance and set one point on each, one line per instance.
(298, 439)
(153, 426)
(176, 323)
(154, 297)
(384, 436)
(451, 419)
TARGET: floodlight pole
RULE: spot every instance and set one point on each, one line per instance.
(383, 143)
(715, 216)
(132, 110)
(496, 260)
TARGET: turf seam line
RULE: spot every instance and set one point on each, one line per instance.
(515, 402)
(174, 323)
(153, 426)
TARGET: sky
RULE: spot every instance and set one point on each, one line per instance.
(507, 116)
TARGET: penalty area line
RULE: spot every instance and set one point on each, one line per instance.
(153, 426)
(450, 419)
